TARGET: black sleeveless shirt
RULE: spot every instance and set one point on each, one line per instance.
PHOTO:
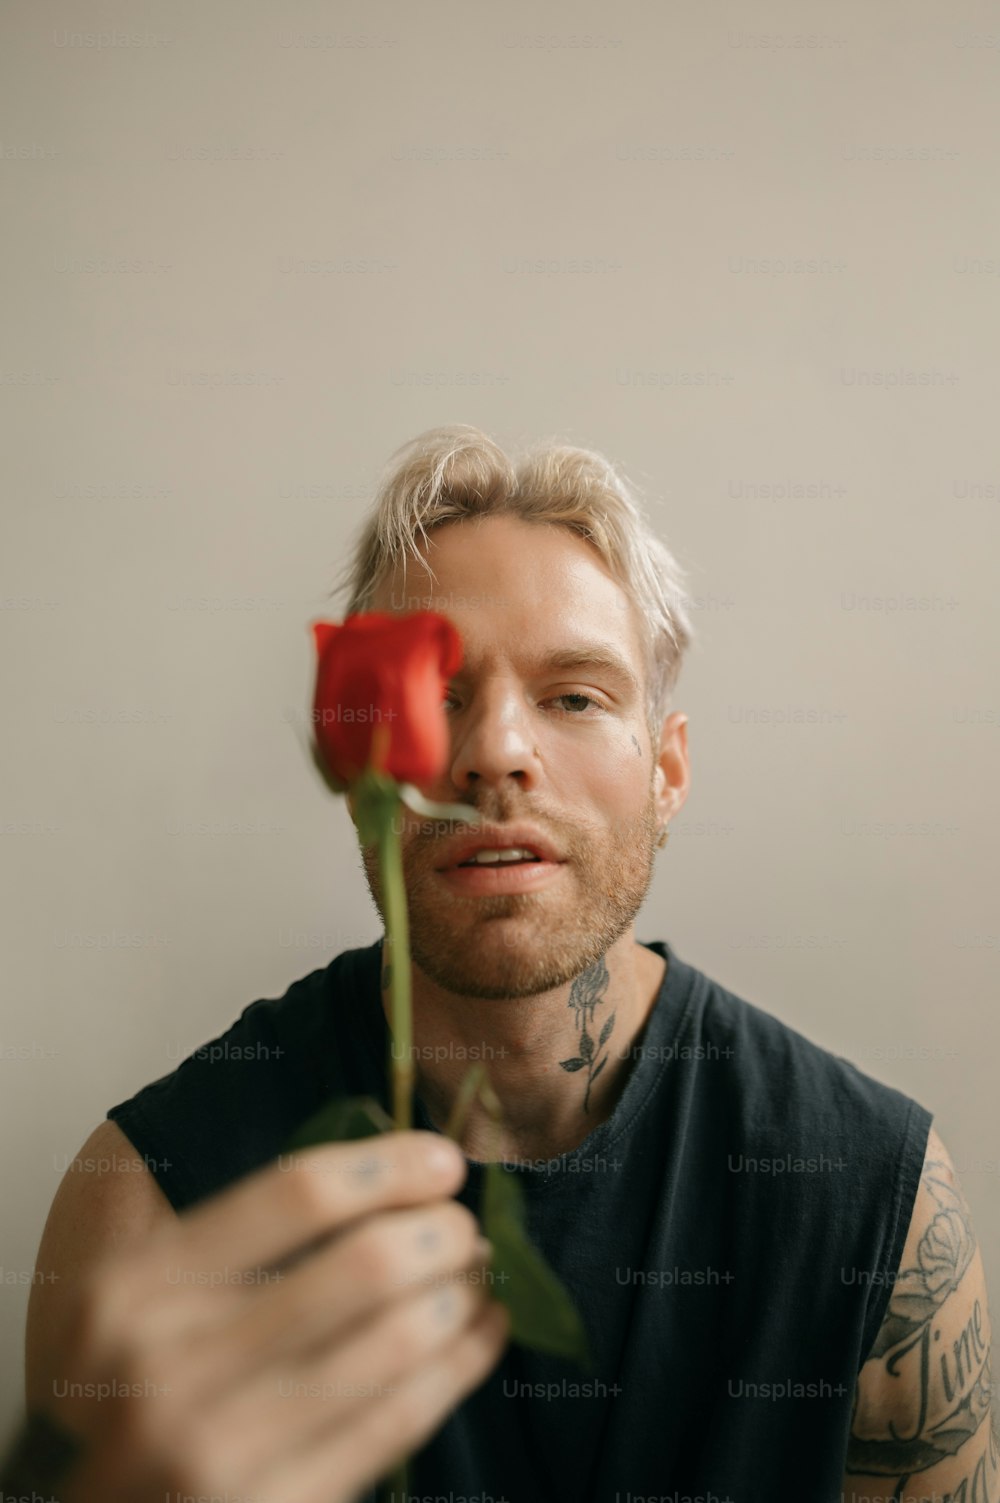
(730, 1235)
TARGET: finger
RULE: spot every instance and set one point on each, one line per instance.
(391, 1428)
(335, 1290)
(193, 1257)
(277, 1211)
(284, 1407)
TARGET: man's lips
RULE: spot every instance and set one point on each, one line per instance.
(502, 877)
(499, 838)
(484, 879)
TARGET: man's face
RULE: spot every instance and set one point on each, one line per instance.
(527, 746)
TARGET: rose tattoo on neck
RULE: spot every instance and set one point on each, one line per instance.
(585, 993)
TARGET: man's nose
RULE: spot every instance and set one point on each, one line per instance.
(493, 738)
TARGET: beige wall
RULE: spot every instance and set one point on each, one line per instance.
(377, 238)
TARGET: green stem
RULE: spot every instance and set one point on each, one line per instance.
(463, 1100)
(491, 1102)
(377, 802)
(476, 1083)
(397, 934)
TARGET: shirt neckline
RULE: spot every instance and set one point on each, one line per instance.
(670, 1010)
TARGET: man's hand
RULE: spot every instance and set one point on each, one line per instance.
(243, 1349)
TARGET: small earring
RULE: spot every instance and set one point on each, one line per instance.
(664, 837)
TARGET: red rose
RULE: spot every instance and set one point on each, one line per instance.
(380, 683)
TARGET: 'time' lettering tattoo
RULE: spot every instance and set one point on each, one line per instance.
(934, 1343)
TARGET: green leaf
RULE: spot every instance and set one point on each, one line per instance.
(342, 1120)
(542, 1314)
(572, 1064)
(606, 1031)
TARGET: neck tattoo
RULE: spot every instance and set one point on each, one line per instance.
(584, 995)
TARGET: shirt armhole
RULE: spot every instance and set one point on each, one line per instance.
(181, 1125)
(906, 1182)
(172, 1177)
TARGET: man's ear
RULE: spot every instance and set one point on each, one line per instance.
(672, 772)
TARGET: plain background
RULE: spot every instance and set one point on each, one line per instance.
(751, 254)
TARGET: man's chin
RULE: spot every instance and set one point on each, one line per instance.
(498, 982)
(511, 945)
(506, 958)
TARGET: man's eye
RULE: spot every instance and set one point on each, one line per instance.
(585, 697)
(580, 702)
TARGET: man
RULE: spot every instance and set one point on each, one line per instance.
(770, 1249)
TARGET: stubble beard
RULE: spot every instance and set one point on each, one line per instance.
(521, 944)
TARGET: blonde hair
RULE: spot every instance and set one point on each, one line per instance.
(457, 472)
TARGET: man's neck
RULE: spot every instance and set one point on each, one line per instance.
(530, 1047)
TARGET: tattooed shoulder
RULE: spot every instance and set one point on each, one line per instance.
(925, 1418)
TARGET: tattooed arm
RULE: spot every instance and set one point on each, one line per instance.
(924, 1426)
